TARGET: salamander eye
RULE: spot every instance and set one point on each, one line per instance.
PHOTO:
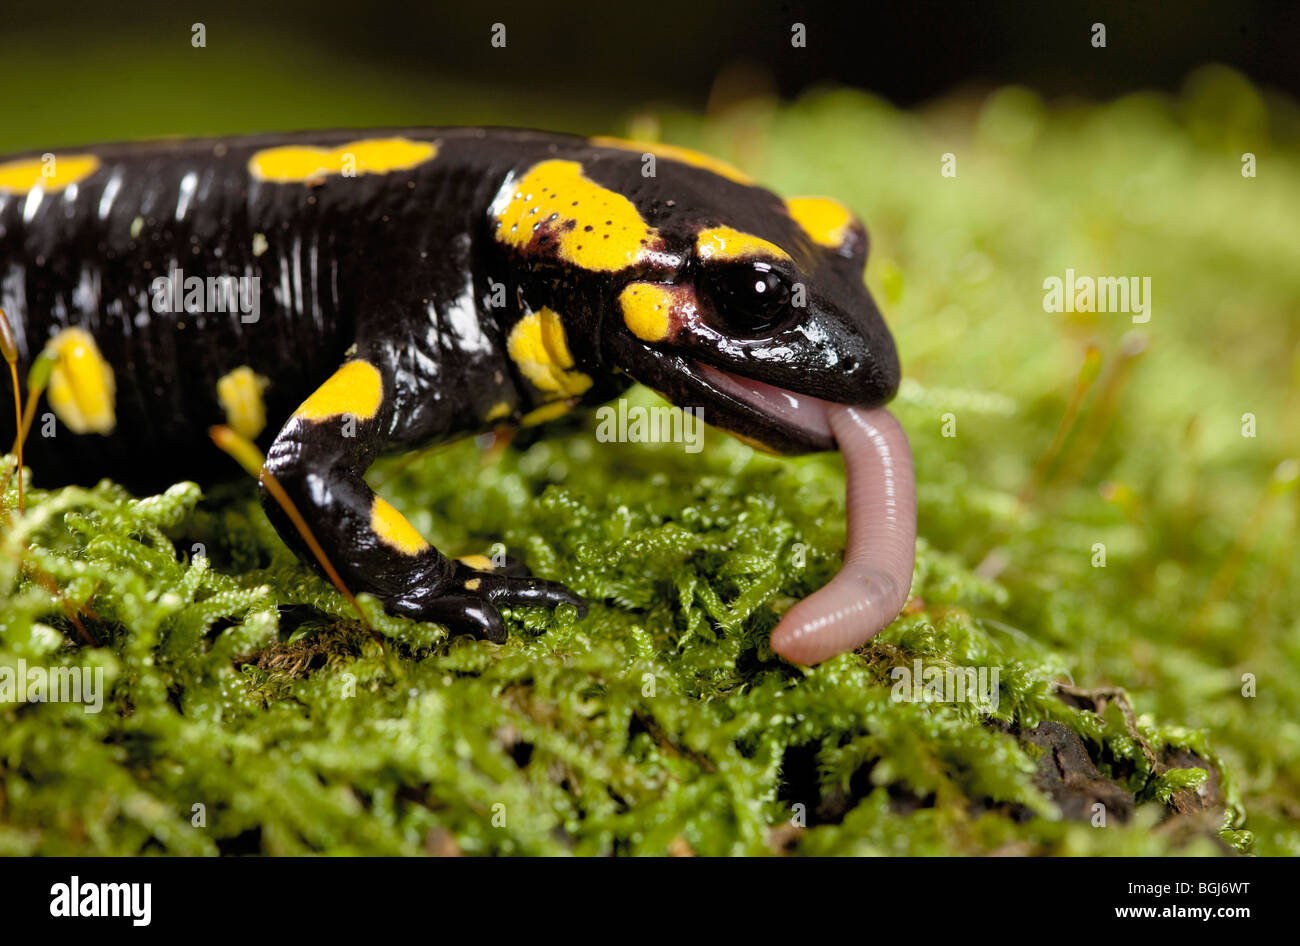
(750, 296)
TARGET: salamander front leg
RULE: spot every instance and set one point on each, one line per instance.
(320, 458)
(472, 603)
(510, 586)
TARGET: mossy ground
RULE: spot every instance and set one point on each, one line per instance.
(663, 723)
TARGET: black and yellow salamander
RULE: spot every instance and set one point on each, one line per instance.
(336, 295)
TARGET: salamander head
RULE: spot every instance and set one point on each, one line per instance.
(755, 310)
(711, 290)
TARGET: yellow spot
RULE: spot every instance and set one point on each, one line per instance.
(304, 163)
(539, 348)
(645, 308)
(82, 390)
(50, 175)
(823, 219)
(677, 153)
(393, 529)
(355, 389)
(499, 410)
(725, 244)
(546, 412)
(477, 562)
(593, 227)
(473, 583)
(240, 394)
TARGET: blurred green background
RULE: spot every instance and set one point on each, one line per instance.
(1071, 429)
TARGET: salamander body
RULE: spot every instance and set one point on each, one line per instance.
(337, 295)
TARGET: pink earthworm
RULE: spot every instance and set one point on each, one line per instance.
(872, 585)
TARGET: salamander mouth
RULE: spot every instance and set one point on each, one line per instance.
(772, 418)
(799, 417)
(880, 508)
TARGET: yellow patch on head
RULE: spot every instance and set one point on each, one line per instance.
(82, 390)
(724, 244)
(538, 346)
(393, 529)
(306, 163)
(473, 584)
(240, 394)
(50, 174)
(593, 227)
(646, 307)
(355, 389)
(546, 412)
(498, 411)
(479, 563)
(826, 221)
(677, 153)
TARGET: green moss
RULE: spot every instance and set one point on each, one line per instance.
(240, 682)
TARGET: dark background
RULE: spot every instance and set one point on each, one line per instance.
(671, 51)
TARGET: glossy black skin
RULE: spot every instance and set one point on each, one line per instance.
(401, 266)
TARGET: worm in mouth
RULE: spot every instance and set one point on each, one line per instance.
(873, 583)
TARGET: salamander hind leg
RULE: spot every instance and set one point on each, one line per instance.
(320, 457)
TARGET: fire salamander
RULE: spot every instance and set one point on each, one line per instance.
(334, 296)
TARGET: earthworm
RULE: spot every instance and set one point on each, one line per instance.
(872, 585)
